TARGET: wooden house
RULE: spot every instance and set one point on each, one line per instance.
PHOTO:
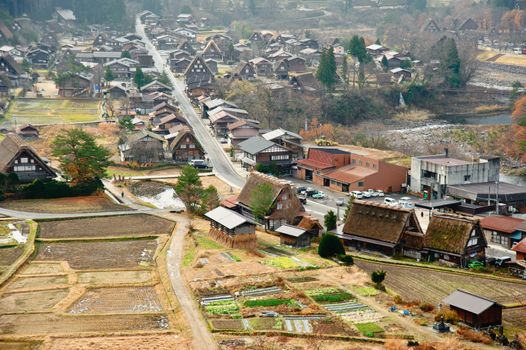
(262, 66)
(156, 86)
(257, 150)
(296, 64)
(144, 147)
(285, 207)
(293, 236)
(311, 225)
(17, 157)
(232, 229)
(212, 51)
(245, 71)
(306, 83)
(179, 65)
(520, 251)
(430, 26)
(281, 70)
(390, 230)
(198, 77)
(187, 47)
(27, 131)
(473, 310)
(38, 57)
(212, 64)
(167, 122)
(185, 147)
(208, 105)
(287, 139)
(503, 230)
(221, 120)
(123, 68)
(454, 239)
(76, 85)
(240, 131)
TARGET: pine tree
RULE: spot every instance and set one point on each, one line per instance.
(330, 220)
(377, 42)
(108, 75)
(326, 72)
(385, 63)
(348, 209)
(345, 70)
(138, 79)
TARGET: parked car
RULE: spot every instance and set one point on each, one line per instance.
(340, 201)
(223, 140)
(268, 314)
(406, 202)
(372, 192)
(301, 189)
(318, 195)
(366, 194)
(498, 262)
(310, 192)
(390, 201)
(302, 198)
(357, 194)
(380, 193)
(198, 163)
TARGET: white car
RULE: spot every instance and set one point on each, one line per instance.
(380, 193)
(366, 194)
(357, 194)
(372, 192)
(390, 201)
(406, 202)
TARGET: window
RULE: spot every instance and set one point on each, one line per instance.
(191, 146)
(467, 177)
(360, 183)
(499, 239)
(285, 197)
(367, 164)
(446, 257)
(183, 146)
(279, 206)
(279, 157)
(24, 168)
(23, 160)
(359, 162)
(473, 241)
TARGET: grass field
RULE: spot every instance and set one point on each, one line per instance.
(113, 226)
(53, 111)
(83, 204)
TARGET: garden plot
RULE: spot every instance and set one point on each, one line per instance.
(100, 255)
(82, 204)
(262, 323)
(114, 277)
(110, 226)
(354, 312)
(261, 291)
(37, 282)
(31, 301)
(10, 254)
(328, 295)
(44, 323)
(227, 324)
(222, 307)
(297, 326)
(53, 111)
(117, 300)
(288, 263)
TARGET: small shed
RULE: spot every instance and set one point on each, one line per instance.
(293, 236)
(474, 310)
(232, 228)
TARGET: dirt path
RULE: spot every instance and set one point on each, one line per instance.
(202, 338)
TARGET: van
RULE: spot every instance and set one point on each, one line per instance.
(198, 163)
(390, 201)
(357, 194)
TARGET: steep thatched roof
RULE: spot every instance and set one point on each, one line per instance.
(256, 179)
(381, 222)
(449, 232)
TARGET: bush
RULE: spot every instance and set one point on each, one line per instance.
(378, 276)
(332, 297)
(426, 307)
(57, 189)
(474, 336)
(450, 316)
(398, 300)
(346, 259)
(330, 246)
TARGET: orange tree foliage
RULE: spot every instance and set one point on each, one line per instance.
(513, 20)
(516, 147)
(317, 129)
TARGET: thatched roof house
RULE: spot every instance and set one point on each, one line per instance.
(285, 207)
(455, 239)
(390, 230)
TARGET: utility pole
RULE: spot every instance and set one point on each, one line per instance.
(497, 197)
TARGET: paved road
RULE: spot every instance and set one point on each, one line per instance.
(223, 168)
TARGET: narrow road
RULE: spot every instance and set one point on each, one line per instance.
(202, 338)
(223, 167)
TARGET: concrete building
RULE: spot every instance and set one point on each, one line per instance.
(432, 174)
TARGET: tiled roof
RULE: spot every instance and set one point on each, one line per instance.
(500, 223)
(520, 247)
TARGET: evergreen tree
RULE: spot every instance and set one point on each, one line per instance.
(378, 276)
(326, 72)
(330, 246)
(330, 220)
(125, 54)
(164, 79)
(108, 75)
(81, 159)
(449, 61)
(189, 188)
(138, 79)
(348, 209)
(345, 70)
(385, 63)
(377, 42)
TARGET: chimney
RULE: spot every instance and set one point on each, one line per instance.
(446, 151)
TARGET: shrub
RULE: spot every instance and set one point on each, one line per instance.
(378, 276)
(268, 302)
(426, 307)
(450, 316)
(398, 299)
(369, 329)
(474, 336)
(330, 245)
(346, 259)
(332, 298)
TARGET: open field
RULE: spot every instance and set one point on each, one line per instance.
(109, 226)
(100, 255)
(37, 282)
(83, 204)
(10, 254)
(122, 300)
(138, 342)
(41, 268)
(413, 283)
(114, 277)
(32, 301)
(53, 111)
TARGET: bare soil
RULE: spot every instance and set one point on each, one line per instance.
(114, 277)
(32, 301)
(83, 204)
(37, 282)
(41, 268)
(117, 300)
(100, 255)
(125, 225)
(9, 255)
(144, 342)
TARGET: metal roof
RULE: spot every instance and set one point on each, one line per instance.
(469, 302)
(290, 230)
(271, 135)
(481, 191)
(255, 145)
(227, 218)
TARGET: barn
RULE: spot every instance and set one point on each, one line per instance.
(474, 310)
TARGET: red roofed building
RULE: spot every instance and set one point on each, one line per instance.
(344, 171)
(520, 251)
(503, 230)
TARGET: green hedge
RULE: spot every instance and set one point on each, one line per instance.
(268, 302)
(57, 189)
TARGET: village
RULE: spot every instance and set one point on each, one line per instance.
(177, 184)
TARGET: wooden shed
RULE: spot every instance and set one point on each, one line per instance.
(474, 310)
(232, 228)
(293, 236)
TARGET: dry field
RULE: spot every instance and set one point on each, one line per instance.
(432, 286)
(53, 111)
(100, 254)
(109, 226)
(9, 255)
(85, 204)
(108, 289)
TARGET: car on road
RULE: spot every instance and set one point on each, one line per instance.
(340, 201)
(198, 163)
(390, 201)
(318, 195)
(406, 202)
(357, 194)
